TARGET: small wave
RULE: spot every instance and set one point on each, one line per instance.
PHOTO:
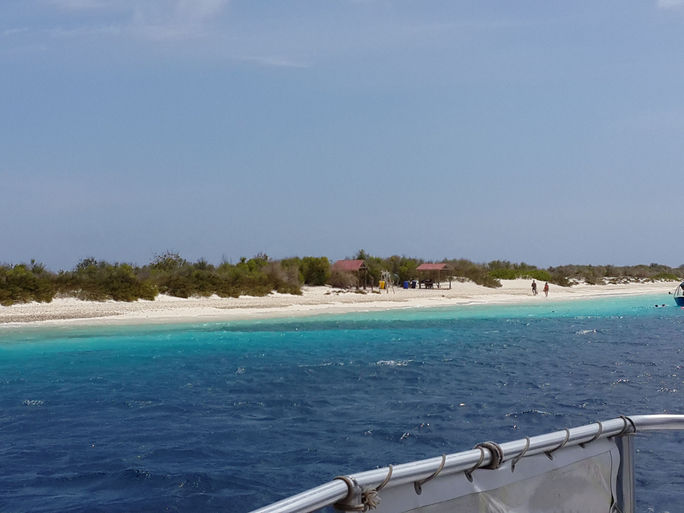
(323, 364)
(516, 414)
(198, 482)
(33, 402)
(134, 404)
(135, 474)
(585, 332)
(393, 363)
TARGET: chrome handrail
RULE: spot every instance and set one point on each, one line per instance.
(336, 490)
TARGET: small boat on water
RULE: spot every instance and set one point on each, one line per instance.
(679, 294)
(588, 468)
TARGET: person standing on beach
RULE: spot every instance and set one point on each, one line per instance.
(546, 289)
(534, 288)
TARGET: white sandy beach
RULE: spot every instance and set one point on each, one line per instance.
(313, 301)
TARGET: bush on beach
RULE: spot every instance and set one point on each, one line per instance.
(507, 271)
(100, 281)
(22, 283)
(169, 273)
(315, 270)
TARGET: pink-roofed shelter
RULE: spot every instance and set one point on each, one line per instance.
(350, 265)
(357, 267)
(434, 273)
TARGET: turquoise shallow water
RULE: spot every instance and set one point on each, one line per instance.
(232, 416)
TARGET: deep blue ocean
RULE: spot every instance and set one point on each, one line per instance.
(228, 417)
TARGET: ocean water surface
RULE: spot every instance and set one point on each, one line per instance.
(228, 417)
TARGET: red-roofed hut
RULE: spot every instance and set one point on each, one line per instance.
(434, 274)
(357, 267)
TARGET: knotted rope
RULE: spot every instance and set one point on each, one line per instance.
(369, 496)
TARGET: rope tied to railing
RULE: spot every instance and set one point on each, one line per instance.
(362, 500)
(625, 429)
(522, 453)
(596, 436)
(418, 485)
(368, 496)
(469, 473)
(496, 452)
(549, 453)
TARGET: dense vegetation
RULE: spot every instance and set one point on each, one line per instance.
(171, 274)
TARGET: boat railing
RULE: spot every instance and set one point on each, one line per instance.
(365, 491)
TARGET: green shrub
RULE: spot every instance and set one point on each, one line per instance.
(168, 262)
(315, 270)
(121, 283)
(21, 284)
(99, 281)
(474, 272)
(504, 274)
(402, 267)
(665, 276)
(539, 274)
(507, 271)
(169, 273)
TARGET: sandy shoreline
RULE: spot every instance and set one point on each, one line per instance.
(313, 301)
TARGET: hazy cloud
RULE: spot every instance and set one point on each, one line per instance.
(152, 19)
(671, 4)
(200, 26)
(79, 4)
(276, 62)
(14, 31)
(183, 18)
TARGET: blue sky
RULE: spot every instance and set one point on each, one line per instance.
(544, 132)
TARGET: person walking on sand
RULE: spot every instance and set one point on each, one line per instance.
(534, 288)
(546, 289)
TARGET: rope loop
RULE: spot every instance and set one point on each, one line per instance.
(596, 436)
(387, 480)
(549, 453)
(625, 428)
(522, 453)
(497, 454)
(353, 490)
(469, 473)
(418, 485)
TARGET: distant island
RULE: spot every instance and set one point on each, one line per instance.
(172, 275)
